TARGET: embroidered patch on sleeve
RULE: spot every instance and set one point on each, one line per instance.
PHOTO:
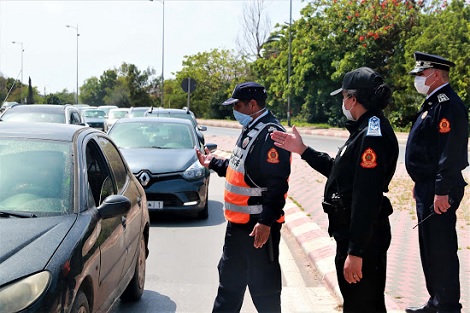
(273, 156)
(444, 126)
(369, 159)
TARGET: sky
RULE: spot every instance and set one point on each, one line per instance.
(112, 32)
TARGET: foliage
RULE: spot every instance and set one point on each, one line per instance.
(216, 73)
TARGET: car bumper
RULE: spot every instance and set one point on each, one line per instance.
(177, 195)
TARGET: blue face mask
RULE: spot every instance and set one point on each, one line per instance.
(243, 119)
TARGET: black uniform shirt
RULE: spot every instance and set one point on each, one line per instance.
(438, 140)
(360, 173)
(264, 167)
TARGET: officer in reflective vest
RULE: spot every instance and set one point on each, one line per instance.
(256, 187)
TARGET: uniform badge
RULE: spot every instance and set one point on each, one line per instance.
(273, 156)
(423, 116)
(442, 97)
(444, 126)
(374, 127)
(245, 142)
(369, 159)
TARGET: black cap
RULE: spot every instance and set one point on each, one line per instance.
(247, 91)
(361, 78)
(425, 60)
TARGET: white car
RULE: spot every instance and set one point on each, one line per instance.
(115, 114)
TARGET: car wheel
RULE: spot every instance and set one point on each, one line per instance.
(135, 289)
(81, 304)
(204, 214)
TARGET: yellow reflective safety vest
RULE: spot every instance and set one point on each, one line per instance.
(237, 191)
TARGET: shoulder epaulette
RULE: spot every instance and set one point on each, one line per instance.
(374, 127)
(442, 97)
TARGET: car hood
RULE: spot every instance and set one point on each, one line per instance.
(159, 161)
(27, 244)
(94, 120)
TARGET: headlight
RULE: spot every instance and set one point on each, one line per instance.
(195, 171)
(21, 294)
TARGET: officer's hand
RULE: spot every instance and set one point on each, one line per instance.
(204, 159)
(441, 204)
(290, 142)
(352, 270)
(261, 234)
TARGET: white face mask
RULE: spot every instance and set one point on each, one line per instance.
(420, 84)
(347, 113)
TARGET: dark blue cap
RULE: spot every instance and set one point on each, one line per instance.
(247, 91)
(426, 60)
(361, 78)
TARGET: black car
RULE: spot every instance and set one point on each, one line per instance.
(184, 113)
(47, 113)
(160, 152)
(74, 223)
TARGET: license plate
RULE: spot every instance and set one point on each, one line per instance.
(155, 205)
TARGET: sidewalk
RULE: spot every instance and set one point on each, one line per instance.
(307, 222)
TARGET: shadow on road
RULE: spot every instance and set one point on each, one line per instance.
(151, 301)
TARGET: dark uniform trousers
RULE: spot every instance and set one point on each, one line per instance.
(357, 297)
(244, 265)
(438, 247)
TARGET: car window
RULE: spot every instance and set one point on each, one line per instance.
(33, 116)
(36, 177)
(75, 118)
(116, 162)
(152, 135)
(100, 182)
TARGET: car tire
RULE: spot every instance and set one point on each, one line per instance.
(204, 214)
(135, 288)
(81, 303)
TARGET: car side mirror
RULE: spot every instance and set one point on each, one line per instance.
(211, 146)
(202, 128)
(114, 205)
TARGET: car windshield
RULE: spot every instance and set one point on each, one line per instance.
(34, 116)
(137, 112)
(36, 177)
(94, 113)
(182, 115)
(152, 135)
(116, 114)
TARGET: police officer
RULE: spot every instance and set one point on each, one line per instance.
(354, 198)
(255, 190)
(436, 154)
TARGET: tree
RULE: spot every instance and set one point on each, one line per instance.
(216, 73)
(30, 98)
(256, 27)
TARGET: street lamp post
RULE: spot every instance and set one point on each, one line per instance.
(76, 28)
(21, 85)
(289, 66)
(163, 50)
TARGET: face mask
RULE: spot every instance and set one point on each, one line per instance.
(244, 119)
(347, 113)
(420, 84)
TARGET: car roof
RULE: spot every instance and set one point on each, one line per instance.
(155, 120)
(50, 131)
(119, 109)
(39, 107)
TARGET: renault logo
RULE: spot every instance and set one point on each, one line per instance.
(144, 179)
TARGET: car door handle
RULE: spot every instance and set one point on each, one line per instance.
(123, 221)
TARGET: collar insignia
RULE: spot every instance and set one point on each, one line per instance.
(374, 127)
